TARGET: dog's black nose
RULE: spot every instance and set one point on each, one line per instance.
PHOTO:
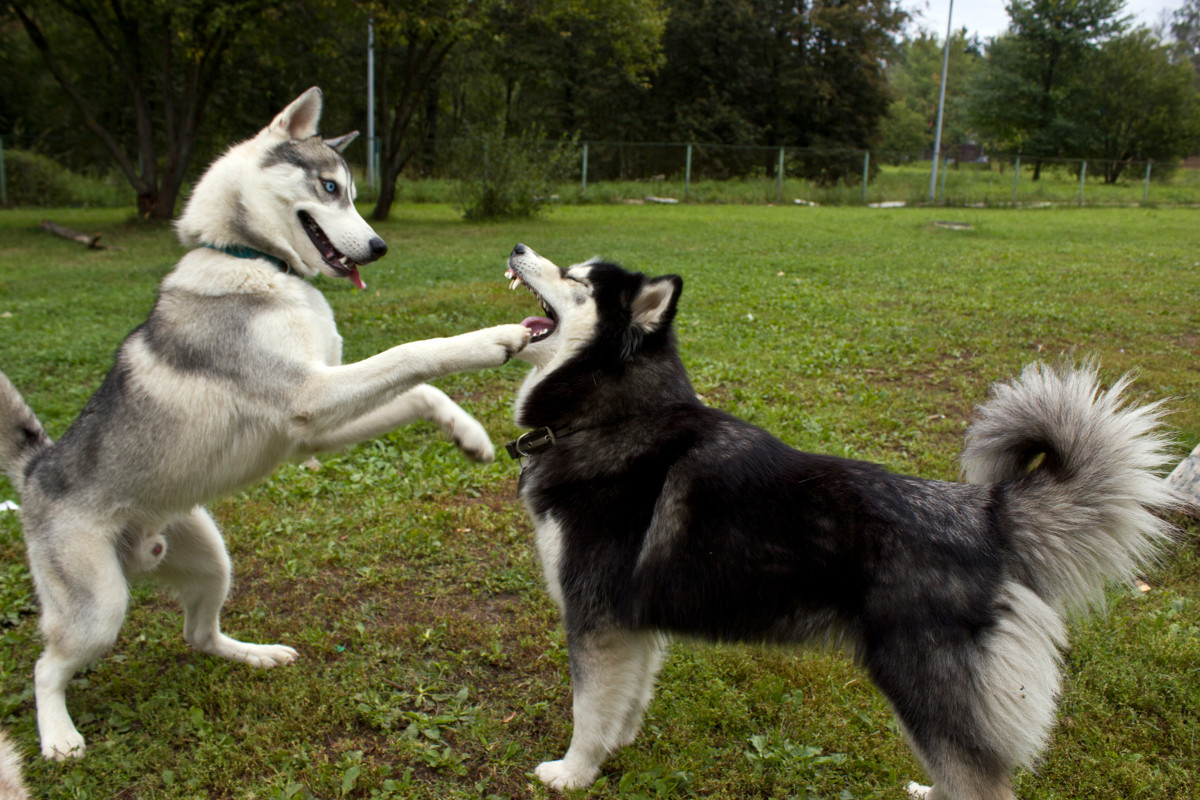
(519, 250)
(378, 248)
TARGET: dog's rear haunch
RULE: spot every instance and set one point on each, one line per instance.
(656, 515)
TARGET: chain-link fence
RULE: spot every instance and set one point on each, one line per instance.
(705, 173)
(846, 176)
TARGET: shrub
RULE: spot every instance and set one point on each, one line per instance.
(35, 180)
(508, 177)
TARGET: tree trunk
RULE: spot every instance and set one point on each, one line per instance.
(422, 65)
(387, 196)
(131, 58)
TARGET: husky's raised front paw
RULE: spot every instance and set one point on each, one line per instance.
(512, 338)
(472, 439)
(559, 775)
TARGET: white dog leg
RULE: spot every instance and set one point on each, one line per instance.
(463, 429)
(612, 676)
(422, 402)
(652, 656)
(198, 568)
(84, 599)
(54, 670)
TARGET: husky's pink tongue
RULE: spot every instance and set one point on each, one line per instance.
(538, 326)
(355, 278)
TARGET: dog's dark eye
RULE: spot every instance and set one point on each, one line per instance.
(331, 187)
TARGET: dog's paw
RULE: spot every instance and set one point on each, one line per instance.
(472, 439)
(263, 656)
(559, 775)
(917, 791)
(512, 338)
(63, 746)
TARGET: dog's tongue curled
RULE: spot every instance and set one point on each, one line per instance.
(355, 278)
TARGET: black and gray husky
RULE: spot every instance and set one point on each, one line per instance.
(656, 515)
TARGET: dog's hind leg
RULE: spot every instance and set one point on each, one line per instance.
(197, 567)
(612, 677)
(422, 402)
(84, 598)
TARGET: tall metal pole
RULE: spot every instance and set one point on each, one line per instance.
(779, 179)
(687, 174)
(937, 136)
(583, 189)
(4, 180)
(371, 177)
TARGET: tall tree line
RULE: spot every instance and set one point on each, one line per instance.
(1067, 79)
(157, 87)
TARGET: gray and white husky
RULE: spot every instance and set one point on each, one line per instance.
(237, 368)
(655, 515)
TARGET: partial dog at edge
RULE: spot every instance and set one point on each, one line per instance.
(237, 368)
(655, 515)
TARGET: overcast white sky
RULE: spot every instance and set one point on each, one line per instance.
(988, 17)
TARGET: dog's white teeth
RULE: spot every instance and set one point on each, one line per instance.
(515, 283)
(508, 273)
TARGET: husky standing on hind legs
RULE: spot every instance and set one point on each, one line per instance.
(655, 515)
(237, 368)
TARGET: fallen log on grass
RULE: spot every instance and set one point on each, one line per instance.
(90, 241)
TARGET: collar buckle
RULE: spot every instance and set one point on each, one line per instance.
(531, 442)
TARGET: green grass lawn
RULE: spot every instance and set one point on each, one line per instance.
(432, 662)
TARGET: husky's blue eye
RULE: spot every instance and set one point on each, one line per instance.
(331, 187)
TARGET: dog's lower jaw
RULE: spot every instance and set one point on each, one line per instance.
(563, 775)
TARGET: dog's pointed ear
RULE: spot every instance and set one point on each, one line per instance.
(300, 119)
(340, 143)
(654, 305)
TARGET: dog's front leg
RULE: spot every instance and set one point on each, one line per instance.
(422, 402)
(612, 677)
(332, 397)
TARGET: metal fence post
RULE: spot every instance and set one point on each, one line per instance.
(779, 179)
(945, 161)
(866, 172)
(3, 177)
(1145, 188)
(1016, 174)
(1082, 175)
(583, 189)
(687, 174)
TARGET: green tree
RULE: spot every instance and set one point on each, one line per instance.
(904, 132)
(915, 78)
(770, 73)
(1135, 104)
(1185, 30)
(140, 74)
(520, 59)
(1023, 91)
(413, 40)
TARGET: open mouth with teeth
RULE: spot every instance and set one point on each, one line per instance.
(341, 263)
(539, 327)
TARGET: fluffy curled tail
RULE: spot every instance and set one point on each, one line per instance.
(1089, 511)
(21, 435)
